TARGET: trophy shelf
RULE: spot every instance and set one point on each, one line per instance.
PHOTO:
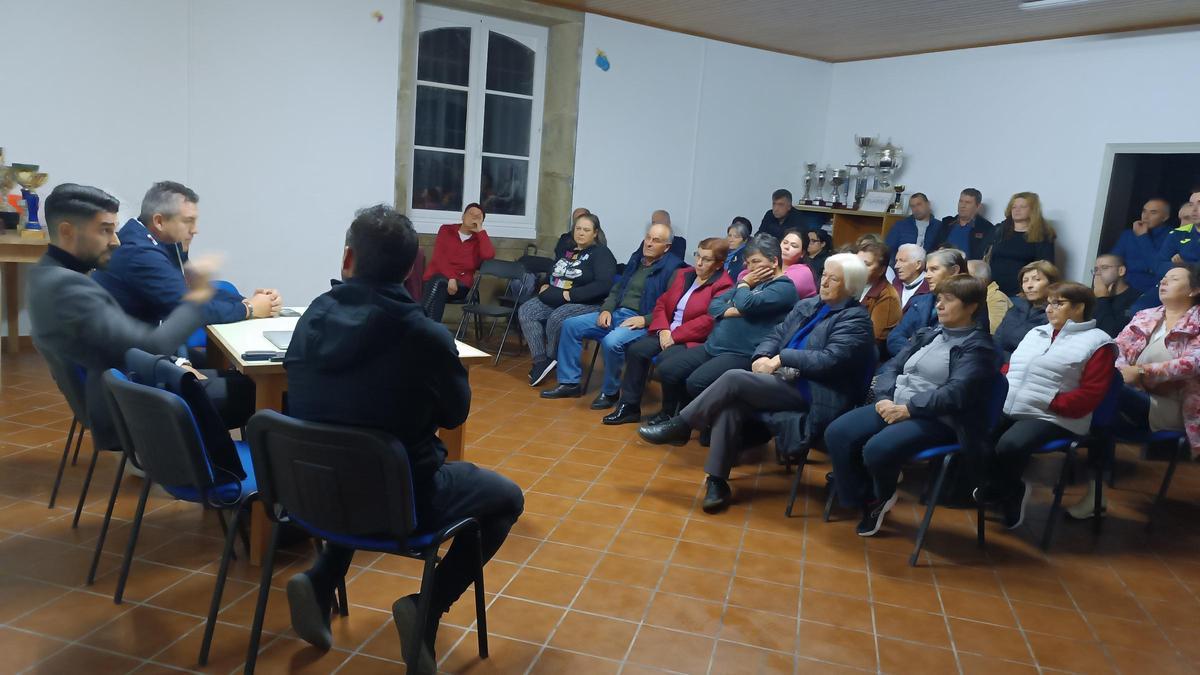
(850, 224)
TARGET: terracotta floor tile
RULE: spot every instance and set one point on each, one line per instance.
(835, 610)
(696, 583)
(910, 594)
(79, 659)
(552, 588)
(19, 595)
(911, 625)
(896, 656)
(517, 549)
(685, 614)
(764, 595)
(277, 618)
(712, 558)
(680, 652)
(1131, 634)
(594, 635)
(505, 656)
(973, 664)
(631, 571)
(287, 655)
(977, 607)
(612, 599)
(990, 640)
(638, 545)
(556, 662)
(760, 629)
(828, 643)
(563, 558)
(835, 580)
(658, 524)
(600, 514)
(21, 650)
(522, 620)
(1066, 623)
(1064, 654)
(71, 616)
(386, 642)
(379, 590)
(736, 659)
(587, 535)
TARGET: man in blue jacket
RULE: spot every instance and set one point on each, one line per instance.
(622, 318)
(1139, 246)
(967, 231)
(1182, 244)
(920, 228)
(145, 274)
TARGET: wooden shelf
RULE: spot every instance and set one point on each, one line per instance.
(850, 224)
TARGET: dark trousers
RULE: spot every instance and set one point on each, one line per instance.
(687, 372)
(639, 356)
(1015, 441)
(868, 453)
(1132, 422)
(459, 490)
(232, 394)
(437, 295)
(728, 403)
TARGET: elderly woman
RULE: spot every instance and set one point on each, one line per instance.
(879, 297)
(1159, 358)
(680, 321)
(1057, 376)
(934, 392)
(792, 249)
(743, 316)
(737, 234)
(458, 252)
(1028, 308)
(922, 311)
(814, 362)
(580, 280)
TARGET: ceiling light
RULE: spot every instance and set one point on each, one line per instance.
(1042, 4)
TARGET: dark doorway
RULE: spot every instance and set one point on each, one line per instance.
(1138, 177)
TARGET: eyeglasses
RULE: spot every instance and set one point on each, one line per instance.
(1057, 302)
(697, 256)
(1103, 268)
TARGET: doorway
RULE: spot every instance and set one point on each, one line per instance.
(1135, 173)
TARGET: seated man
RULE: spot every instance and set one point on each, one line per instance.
(458, 252)
(1182, 244)
(910, 280)
(919, 228)
(782, 216)
(363, 352)
(998, 303)
(78, 324)
(1115, 297)
(814, 361)
(145, 274)
(1139, 245)
(622, 318)
(967, 231)
(939, 266)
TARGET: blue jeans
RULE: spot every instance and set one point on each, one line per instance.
(612, 343)
(868, 453)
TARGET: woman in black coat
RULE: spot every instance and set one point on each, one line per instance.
(1023, 237)
(1028, 310)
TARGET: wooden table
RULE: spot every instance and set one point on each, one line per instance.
(226, 344)
(16, 250)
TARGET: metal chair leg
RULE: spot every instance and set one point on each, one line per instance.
(480, 599)
(1097, 520)
(504, 339)
(1166, 484)
(214, 606)
(133, 535)
(86, 482)
(62, 464)
(78, 442)
(417, 641)
(112, 499)
(796, 483)
(260, 608)
(343, 603)
(1056, 505)
(929, 508)
(831, 488)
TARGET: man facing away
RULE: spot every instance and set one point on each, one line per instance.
(364, 354)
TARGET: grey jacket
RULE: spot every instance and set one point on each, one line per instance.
(81, 331)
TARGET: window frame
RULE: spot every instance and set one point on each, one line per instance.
(534, 37)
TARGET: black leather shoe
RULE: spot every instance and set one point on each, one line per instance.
(605, 401)
(717, 495)
(624, 414)
(563, 391)
(658, 418)
(674, 431)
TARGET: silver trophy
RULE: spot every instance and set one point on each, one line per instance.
(889, 162)
(820, 201)
(838, 179)
(809, 170)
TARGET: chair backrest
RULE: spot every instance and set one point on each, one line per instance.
(70, 379)
(996, 405)
(159, 371)
(518, 285)
(339, 480)
(502, 269)
(1106, 413)
(679, 247)
(158, 426)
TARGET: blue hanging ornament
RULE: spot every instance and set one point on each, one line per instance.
(602, 60)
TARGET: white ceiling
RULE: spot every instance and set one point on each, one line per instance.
(847, 30)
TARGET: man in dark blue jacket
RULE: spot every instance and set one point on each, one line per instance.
(783, 217)
(622, 318)
(968, 231)
(364, 354)
(920, 228)
(1139, 246)
(145, 274)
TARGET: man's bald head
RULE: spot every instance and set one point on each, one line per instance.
(578, 212)
(660, 217)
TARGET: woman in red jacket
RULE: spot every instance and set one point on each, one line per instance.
(458, 251)
(680, 321)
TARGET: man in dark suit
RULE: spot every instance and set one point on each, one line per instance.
(967, 231)
(365, 355)
(783, 217)
(76, 324)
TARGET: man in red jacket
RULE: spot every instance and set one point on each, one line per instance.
(458, 251)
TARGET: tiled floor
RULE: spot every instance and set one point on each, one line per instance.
(614, 568)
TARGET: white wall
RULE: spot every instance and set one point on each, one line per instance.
(704, 129)
(282, 115)
(1032, 116)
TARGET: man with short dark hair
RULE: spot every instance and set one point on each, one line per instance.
(1138, 246)
(76, 324)
(967, 231)
(1182, 244)
(782, 217)
(1115, 297)
(919, 228)
(365, 355)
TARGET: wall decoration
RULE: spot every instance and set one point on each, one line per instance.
(602, 60)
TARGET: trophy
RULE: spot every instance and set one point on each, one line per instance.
(898, 205)
(889, 163)
(809, 169)
(28, 177)
(820, 187)
(838, 179)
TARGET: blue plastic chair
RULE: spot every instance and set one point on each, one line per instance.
(161, 436)
(353, 488)
(1180, 446)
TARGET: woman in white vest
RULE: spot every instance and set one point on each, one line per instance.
(1058, 374)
